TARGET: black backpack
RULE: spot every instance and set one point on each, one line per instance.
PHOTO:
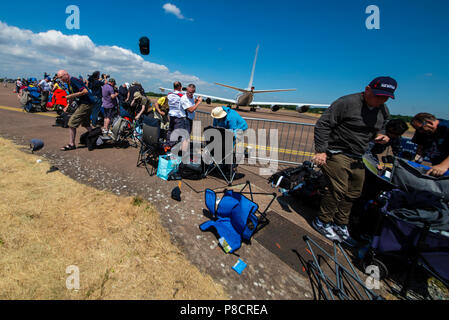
(90, 138)
(191, 171)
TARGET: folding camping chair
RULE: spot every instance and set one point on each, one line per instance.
(123, 131)
(408, 241)
(401, 231)
(151, 146)
(223, 158)
(340, 282)
(235, 217)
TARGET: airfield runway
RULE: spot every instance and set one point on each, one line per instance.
(295, 134)
(295, 143)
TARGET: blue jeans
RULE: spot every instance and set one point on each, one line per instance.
(96, 110)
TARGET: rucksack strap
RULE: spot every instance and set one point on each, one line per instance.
(178, 94)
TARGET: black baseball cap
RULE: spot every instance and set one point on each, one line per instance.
(384, 86)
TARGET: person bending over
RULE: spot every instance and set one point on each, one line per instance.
(81, 117)
(225, 117)
(342, 137)
(432, 138)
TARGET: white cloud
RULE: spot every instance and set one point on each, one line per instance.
(25, 53)
(171, 8)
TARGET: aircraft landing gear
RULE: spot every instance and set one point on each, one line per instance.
(253, 109)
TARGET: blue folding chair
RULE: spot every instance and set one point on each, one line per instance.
(236, 218)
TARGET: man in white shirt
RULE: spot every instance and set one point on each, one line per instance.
(189, 104)
(176, 112)
(45, 86)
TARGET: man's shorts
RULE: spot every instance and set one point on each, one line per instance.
(110, 113)
(177, 123)
(81, 117)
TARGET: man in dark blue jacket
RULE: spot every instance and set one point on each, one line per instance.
(95, 85)
(432, 138)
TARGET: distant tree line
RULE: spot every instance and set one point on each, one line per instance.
(154, 94)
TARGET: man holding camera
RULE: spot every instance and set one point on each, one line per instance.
(189, 104)
(342, 136)
(80, 95)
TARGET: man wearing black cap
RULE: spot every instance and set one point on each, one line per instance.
(342, 136)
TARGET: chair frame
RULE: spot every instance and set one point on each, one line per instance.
(216, 165)
(148, 154)
(263, 219)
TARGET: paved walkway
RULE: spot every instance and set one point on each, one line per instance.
(274, 269)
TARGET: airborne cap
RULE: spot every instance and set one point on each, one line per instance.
(384, 86)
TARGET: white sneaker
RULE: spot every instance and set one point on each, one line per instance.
(343, 233)
(325, 229)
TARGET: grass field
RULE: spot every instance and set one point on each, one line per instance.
(50, 222)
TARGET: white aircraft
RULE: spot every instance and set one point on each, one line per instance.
(246, 97)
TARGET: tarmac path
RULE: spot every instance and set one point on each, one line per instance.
(274, 267)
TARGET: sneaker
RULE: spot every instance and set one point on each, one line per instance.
(325, 229)
(343, 233)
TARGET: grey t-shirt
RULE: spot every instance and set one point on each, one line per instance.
(349, 125)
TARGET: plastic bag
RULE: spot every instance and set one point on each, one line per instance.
(167, 164)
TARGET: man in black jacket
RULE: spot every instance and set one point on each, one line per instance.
(95, 84)
(342, 136)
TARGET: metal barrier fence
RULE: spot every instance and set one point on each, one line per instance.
(295, 140)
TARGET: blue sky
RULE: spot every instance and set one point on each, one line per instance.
(322, 48)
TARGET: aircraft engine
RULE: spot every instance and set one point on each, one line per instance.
(303, 109)
(209, 101)
(275, 108)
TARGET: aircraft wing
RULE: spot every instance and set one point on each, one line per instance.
(254, 103)
(204, 96)
(216, 98)
(274, 90)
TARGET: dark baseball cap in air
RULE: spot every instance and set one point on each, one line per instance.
(384, 86)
